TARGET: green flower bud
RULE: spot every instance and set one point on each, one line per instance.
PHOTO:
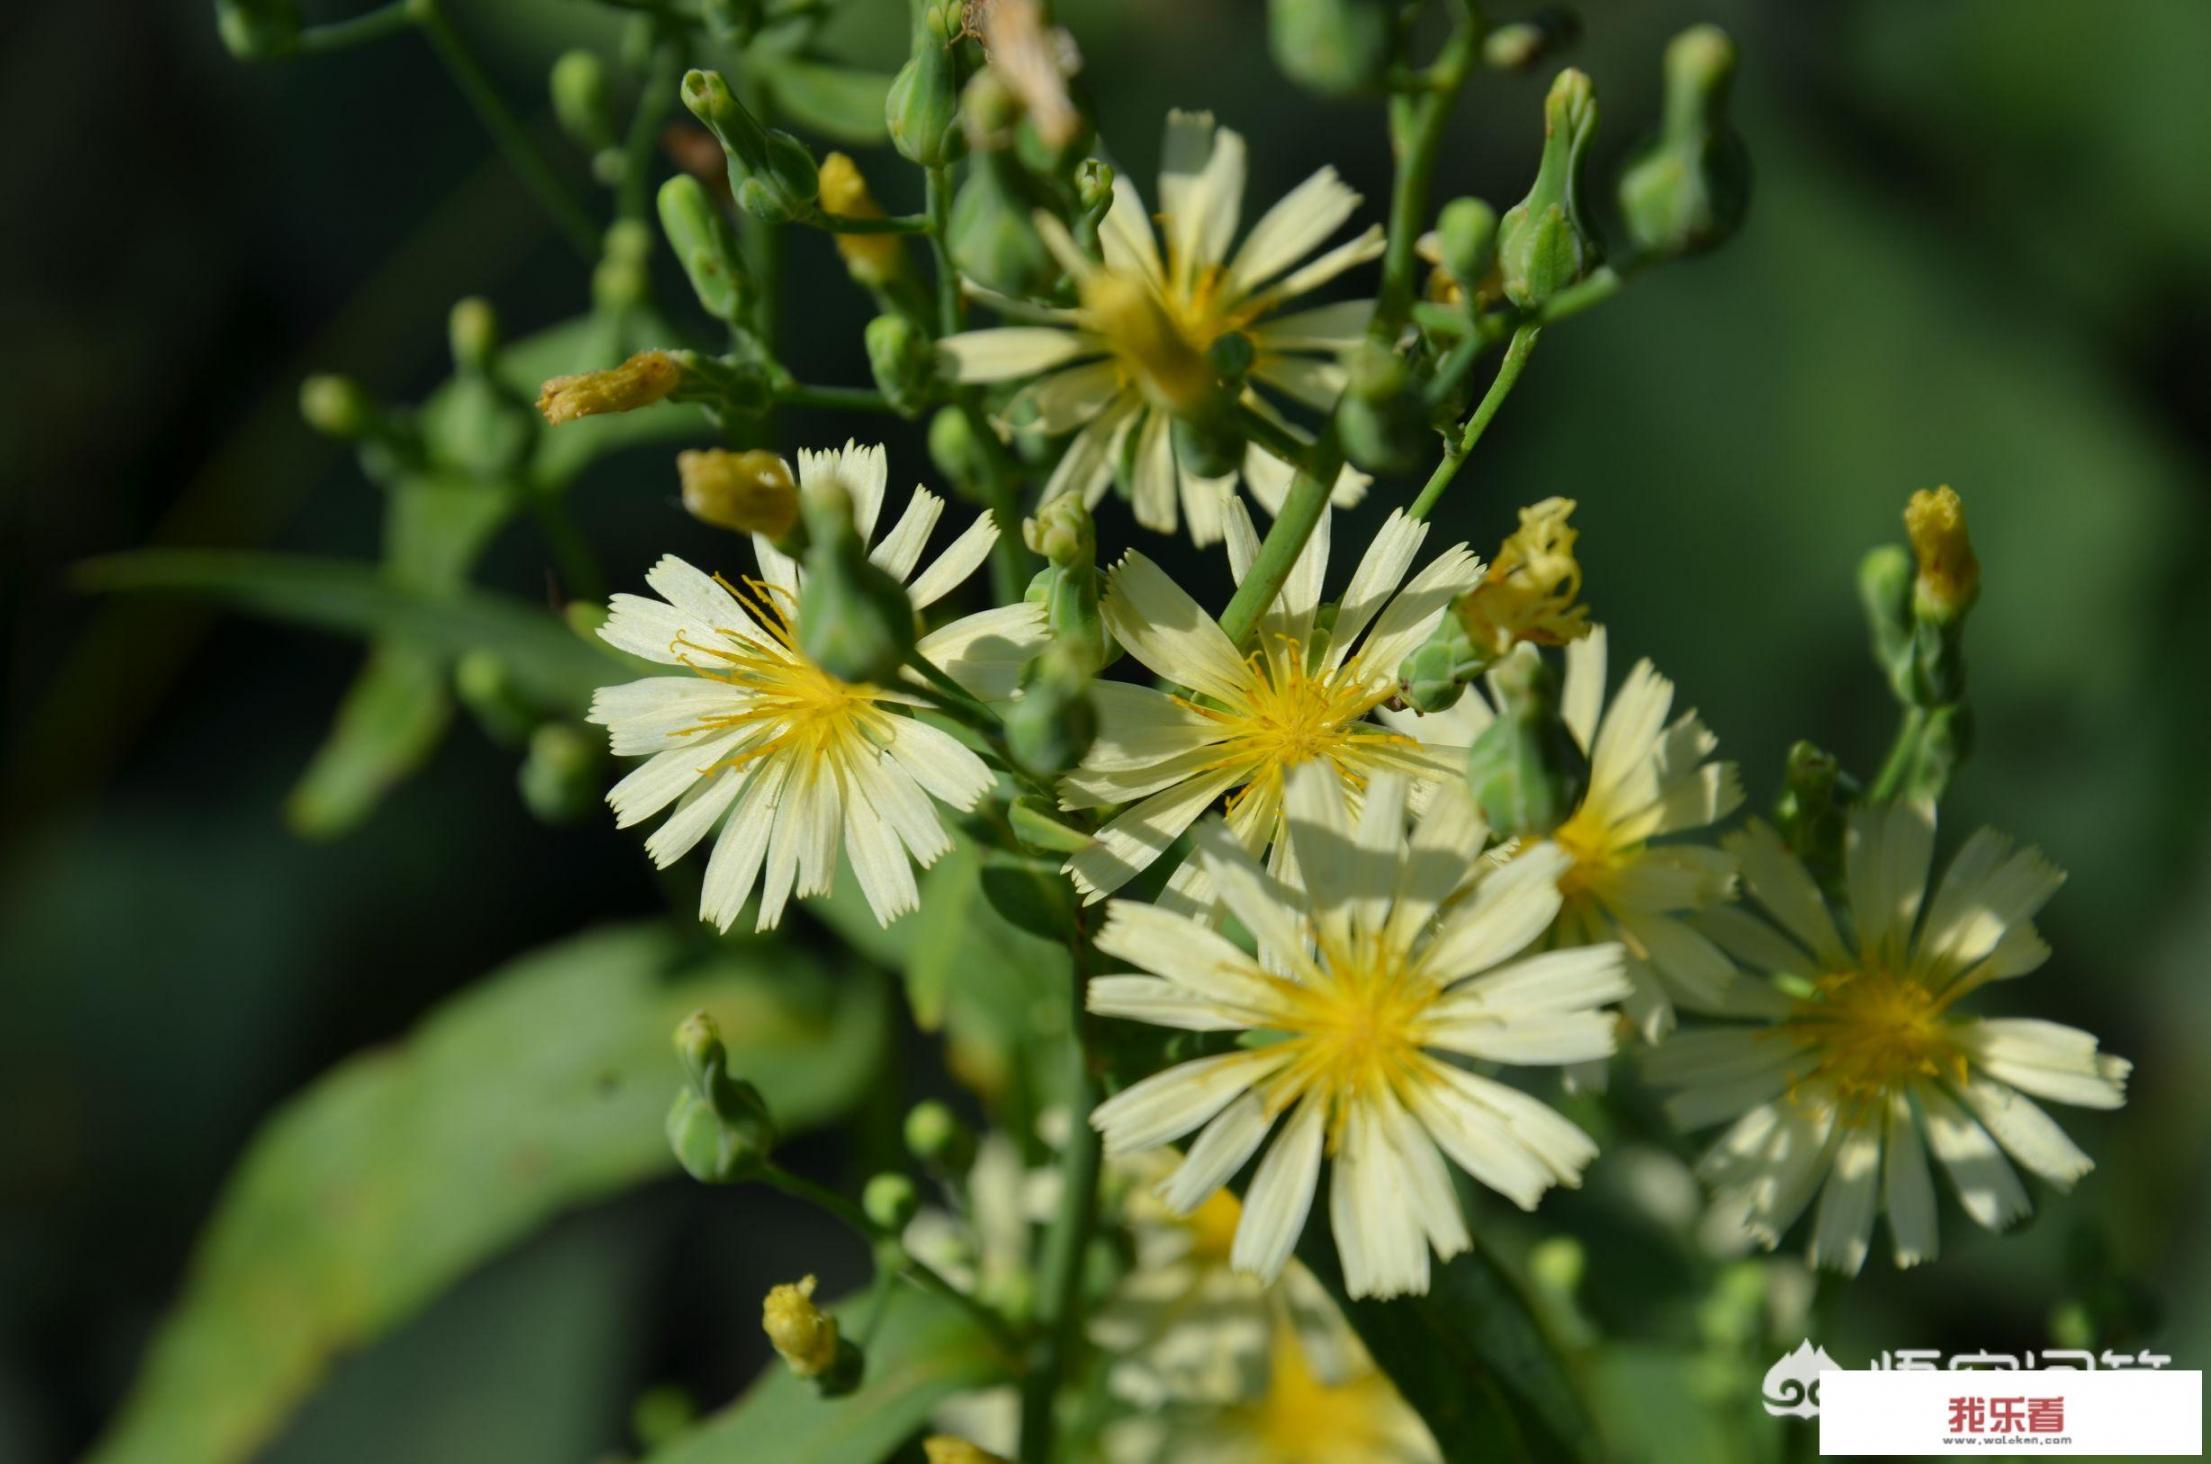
(890, 1202)
(989, 111)
(1543, 242)
(1944, 743)
(1885, 590)
(1055, 719)
(1434, 676)
(1208, 444)
(1518, 45)
(855, 621)
(483, 685)
(1687, 188)
(1526, 770)
(562, 773)
(1813, 808)
(993, 234)
(580, 102)
(472, 328)
(1069, 587)
(1335, 47)
(936, 1137)
(337, 406)
(958, 454)
(1063, 533)
(705, 245)
(1466, 237)
(1093, 188)
(903, 360)
(258, 30)
(923, 106)
(622, 279)
(718, 1126)
(1231, 355)
(1381, 420)
(771, 173)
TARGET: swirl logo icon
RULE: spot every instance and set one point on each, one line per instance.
(1792, 1384)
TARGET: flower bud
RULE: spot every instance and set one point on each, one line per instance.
(1813, 808)
(803, 1335)
(1136, 325)
(1381, 421)
(580, 103)
(936, 1137)
(771, 174)
(1687, 188)
(560, 778)
(855, 621)
(1434, 676)
(482, 684)
(923, 106)
(1055, 720)
(1062, 532)
(903, 361)
(993, 235)
(957, 452)
(945, 1449)
(1543, 242)
(472, 330)
(1208, 446)
(719, 1126)
(622, 279)
(337, 406)
(642, 380)
(704, 245)
(1093, 188)
(1531, 591)
(1526, 770)
(1466, 241)
(1885, 591)
(258, 30)
(890, 1202)
(1518, 45)
(750, 492)
(1949, 577)
(1068, 587)
(1333, 46)
(875, 260)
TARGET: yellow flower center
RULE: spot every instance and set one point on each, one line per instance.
(1303, 1417)
(1287, 714)
(1597, 857)
(1212, 1227)
(1352, 1030)
(1870, 1033)
(803, 709)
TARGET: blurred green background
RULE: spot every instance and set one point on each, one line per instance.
(1980, 254)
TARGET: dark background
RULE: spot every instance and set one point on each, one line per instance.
(1980, 253)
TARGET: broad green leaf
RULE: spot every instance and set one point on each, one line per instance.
(1470, 1357)
(836, 101)
(390, 721)
(403, 1169)
(924, 1350)
(549, 662)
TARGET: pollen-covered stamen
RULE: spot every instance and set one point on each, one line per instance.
(1353, 1026)
(1869, 1034)
(1288, 714)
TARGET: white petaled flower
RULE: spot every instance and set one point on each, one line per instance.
(1649, 779)
(1301, 696)
(1116, 366)
(1375, 980)
(1847, 1085)
(791, 762)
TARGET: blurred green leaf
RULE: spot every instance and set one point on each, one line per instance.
(1470, 1357)
(836, 101)
(549, 663)
(391, 720)
(403, 1169)
(923, 1350)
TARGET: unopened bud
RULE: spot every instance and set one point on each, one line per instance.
(874, 260)
(622, 279)
(957, 452)
(1335, 47)
(1687, 188)
(903, 361)
(1543, 242)
(704, 244)
(718, 1126)
(483, 684)
(1055, 720)
(258, 30)
(922, 108)
(1466, 240)
(993, 235)
(945, 1449)
(1434, 676)
(337, 406)
(1136, 325)
(642, 380)
(580, 103)
(1062, 532)
(1526, 770)
(803, 1335)
(890, 1202)
(1093, 187)
(771, 174)
(1518, 45)
(750, 492)
(936, 1137)
(1812, 810)
(1381, 420)
(560, 778)
(472, 328)
(855, 621)
(1949, 577)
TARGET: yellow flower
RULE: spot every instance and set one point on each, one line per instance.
(645, 378)
(1949, 574)
(1533, 587)
(802, 1334)
(874, 260)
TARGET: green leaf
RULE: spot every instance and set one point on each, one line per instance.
(550, 663)
(390, 721)
(836, 101)
(403, 1169)
(924, 1350)
(1470, 1357)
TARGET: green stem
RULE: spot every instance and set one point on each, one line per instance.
(1601, 286)
(1009, 557)
(834, 398)
(1903, 752)
(342, 35)
(1454, 453)
(939, 216)
(1417, 122)
(670, 57)
(568, 215)
(1059, 1312)
(850, 224)
(1301, 510)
